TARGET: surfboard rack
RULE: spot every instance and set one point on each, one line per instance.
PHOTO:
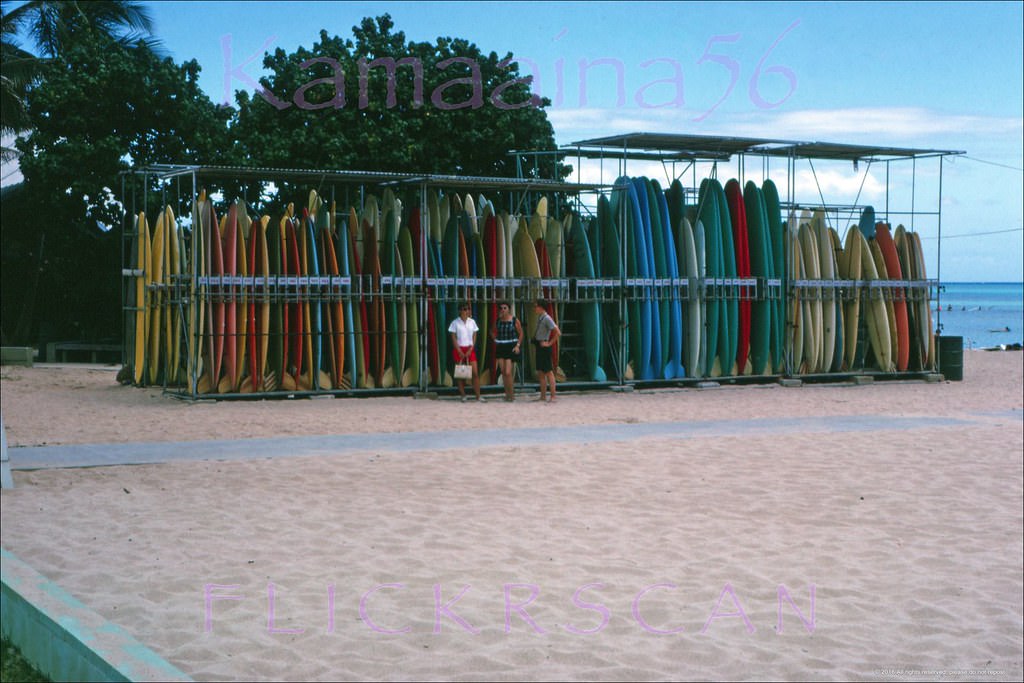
(424, 292)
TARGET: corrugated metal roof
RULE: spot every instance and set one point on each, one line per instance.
(716, 147)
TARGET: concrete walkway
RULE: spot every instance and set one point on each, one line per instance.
(99, 455)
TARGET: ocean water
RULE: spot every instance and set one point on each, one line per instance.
(985, 314)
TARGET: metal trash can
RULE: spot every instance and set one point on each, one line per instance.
(951, 357)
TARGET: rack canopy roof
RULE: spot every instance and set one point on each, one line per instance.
(669, 146)
(167, 171)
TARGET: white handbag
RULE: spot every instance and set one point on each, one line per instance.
(463, 371)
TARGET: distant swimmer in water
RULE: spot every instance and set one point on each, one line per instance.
(1005, 329)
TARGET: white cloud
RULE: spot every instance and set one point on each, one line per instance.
(897, 126)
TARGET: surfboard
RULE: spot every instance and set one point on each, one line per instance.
(590, 312)
(610, 257)
(925, 305)
(812, 271)
(741, 246)
(411, 371)
(837, 303)
(850, 269)
(527, 266)
(649, 273)
(798, 310)
(687, 246)
(761, 267)
(196, 295)
(277, 332)
(490, 241)
(875, 250)
(141, 264)
(874, 309)
(707, 211)
(729, 326)
(241, 292)
(666, 270)
(157, 295)
(259, 307)
(776, 235)
(639, 304)
(827, 273)
(334, 321)
(389, 265)
(172, 308)
(296, 316)
(898, 294)
(376, 325)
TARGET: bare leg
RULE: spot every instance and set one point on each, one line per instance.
(506, 371)
(476, 381)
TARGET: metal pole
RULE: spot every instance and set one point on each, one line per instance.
(938, 264)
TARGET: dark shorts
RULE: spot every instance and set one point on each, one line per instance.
(504, 352)
(544, 359)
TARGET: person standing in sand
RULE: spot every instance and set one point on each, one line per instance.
(463, 331)
(508, 343)
(544, 337)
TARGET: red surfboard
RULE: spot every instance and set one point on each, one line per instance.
(895, 272)
(231, 307)
(357, 266)
(741, 244)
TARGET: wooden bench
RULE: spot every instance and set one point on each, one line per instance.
(57, 352)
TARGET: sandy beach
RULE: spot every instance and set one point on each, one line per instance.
(836, 532)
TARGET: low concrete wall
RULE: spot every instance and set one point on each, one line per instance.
(17, 355)
(66, 640)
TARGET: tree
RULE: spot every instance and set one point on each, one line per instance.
(381, 103)
(53, 25)
(96, 110)
(56, 24)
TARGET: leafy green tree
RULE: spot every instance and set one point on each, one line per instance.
(18, 69)
(97, 109)
(379, 102)
(54, 25)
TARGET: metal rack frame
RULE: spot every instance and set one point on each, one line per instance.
(519, 193)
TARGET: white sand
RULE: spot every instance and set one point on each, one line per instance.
(910, 536)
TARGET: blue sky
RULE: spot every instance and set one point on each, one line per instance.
(937, 76)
